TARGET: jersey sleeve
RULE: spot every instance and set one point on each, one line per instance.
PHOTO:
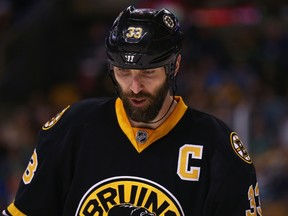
(234, 188)
(238, 194)
(42, 188)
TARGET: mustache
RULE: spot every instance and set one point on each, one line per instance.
(139, 95)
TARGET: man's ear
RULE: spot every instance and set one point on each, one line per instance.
(177, 65)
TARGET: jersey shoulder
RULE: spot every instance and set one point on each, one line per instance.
(207, 123)
(221, 137)
(81, 112)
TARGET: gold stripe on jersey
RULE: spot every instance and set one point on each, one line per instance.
(13, 210)
(153, 135)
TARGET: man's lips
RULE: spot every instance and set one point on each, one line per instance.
(138, 102)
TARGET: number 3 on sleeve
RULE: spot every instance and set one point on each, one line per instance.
(31, 169)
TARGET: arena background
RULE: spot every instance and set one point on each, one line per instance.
(235, 66)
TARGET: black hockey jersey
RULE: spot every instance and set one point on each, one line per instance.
(90, 161)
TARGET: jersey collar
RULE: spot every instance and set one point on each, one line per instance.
(153, 135)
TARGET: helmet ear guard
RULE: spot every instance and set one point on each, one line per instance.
(172, 77)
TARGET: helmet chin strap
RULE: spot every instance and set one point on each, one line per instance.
(111, 75)
(153, 122)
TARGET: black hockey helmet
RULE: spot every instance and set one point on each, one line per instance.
(144, 38)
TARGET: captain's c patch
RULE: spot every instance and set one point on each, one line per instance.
(54, 120)
(239, 148)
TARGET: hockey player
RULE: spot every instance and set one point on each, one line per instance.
(144, 152)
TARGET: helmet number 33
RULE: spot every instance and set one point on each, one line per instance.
(134, 32)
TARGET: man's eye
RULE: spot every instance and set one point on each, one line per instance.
(126, 72)
(148, 72)
(123, 71)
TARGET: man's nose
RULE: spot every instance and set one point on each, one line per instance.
(136, 84)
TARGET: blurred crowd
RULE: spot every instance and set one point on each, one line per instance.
(234, 66)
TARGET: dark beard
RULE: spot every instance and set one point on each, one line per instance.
(149, 112)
